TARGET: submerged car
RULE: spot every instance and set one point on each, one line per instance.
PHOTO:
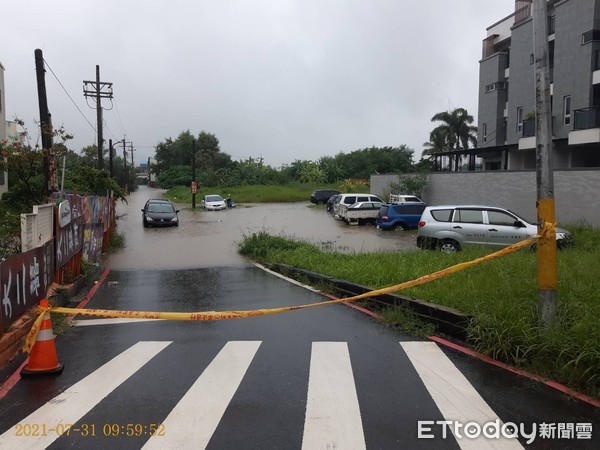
(331, 202)
(159, 213)
(213, 202)
(400, 216)
(451, 228)
(321, 196)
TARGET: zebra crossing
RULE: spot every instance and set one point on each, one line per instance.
(333, 417)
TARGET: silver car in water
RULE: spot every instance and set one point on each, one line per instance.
(449, 228)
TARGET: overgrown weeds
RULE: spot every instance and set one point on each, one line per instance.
(501, 295)
(116, 241)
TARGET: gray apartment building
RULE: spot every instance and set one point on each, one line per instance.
(506, 110)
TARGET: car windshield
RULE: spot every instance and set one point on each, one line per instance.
(160, 208)
(214, 198)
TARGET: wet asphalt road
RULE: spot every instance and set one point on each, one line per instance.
(269, 406)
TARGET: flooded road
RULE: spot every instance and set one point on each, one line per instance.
(210, 238)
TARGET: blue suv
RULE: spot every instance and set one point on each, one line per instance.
(400, 216)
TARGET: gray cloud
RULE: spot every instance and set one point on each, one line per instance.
(285, 79)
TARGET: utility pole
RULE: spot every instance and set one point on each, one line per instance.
(125, 174)
(546, 249)
(45, 124)
(131, 149)
(110, 157)
(98, 90)
(194, 184)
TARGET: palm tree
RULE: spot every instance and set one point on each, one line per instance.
(457, 129)
(437, 144)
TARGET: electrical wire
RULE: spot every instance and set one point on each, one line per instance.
(68, 95)
(119, 117)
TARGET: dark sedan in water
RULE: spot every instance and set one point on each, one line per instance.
(160, 213)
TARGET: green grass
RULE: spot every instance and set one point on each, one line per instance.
(501, 295)
(293, 192)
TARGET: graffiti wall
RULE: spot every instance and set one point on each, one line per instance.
(24, 280)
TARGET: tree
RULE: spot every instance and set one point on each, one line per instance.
(457, 129)
(365, 162)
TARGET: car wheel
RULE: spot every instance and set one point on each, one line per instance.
(399, 227)
(449, 246)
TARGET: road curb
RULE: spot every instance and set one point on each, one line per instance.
(447, 320)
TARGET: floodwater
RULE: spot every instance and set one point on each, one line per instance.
(210, 238)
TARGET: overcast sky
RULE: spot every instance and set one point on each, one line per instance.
(281, 79)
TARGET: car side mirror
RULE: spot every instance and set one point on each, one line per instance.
(142, 209)
(177, 211)
(519, 224)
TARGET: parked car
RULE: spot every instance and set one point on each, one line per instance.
(350, 199)
(158, 212)
(403, 198)
(360, 212)
(451, 228)
(321, 196)
(213, 202)
(330, 202)
(401, 216)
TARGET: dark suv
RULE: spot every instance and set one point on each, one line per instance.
(400, 216)
(322, 195)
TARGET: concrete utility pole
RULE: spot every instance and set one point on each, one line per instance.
(194, 185)
(110, 157)
(547, 272)
(98, 90)
(125, 174)
(131, 149)
(45, 120)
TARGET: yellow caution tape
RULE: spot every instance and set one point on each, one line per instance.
(226, 315)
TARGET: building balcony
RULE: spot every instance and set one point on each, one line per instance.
(586, 126)
(586, 118)
(527, 139)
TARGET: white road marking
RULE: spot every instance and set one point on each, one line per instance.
(291, 280)
(332, 412)
(194, 419)
(90, 322)
(79, 399)
(455, 397)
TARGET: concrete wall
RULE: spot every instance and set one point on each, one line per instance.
(576, 191)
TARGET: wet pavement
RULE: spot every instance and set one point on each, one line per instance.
(210, 238)
(269, 407)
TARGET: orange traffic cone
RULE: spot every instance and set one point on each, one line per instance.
(43, 359)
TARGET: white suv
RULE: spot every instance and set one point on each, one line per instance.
(450, 228)
(350, 199)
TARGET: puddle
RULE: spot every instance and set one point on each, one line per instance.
(210, 238)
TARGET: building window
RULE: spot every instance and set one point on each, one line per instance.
(495, 86)
(484, 132)
(551, 25)
(519, 119)
(567, 109)
(531, 59)
(589, 36)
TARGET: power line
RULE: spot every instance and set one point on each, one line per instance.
(119, 117)
(73, 101)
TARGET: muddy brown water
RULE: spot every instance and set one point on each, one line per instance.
(210, 238)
